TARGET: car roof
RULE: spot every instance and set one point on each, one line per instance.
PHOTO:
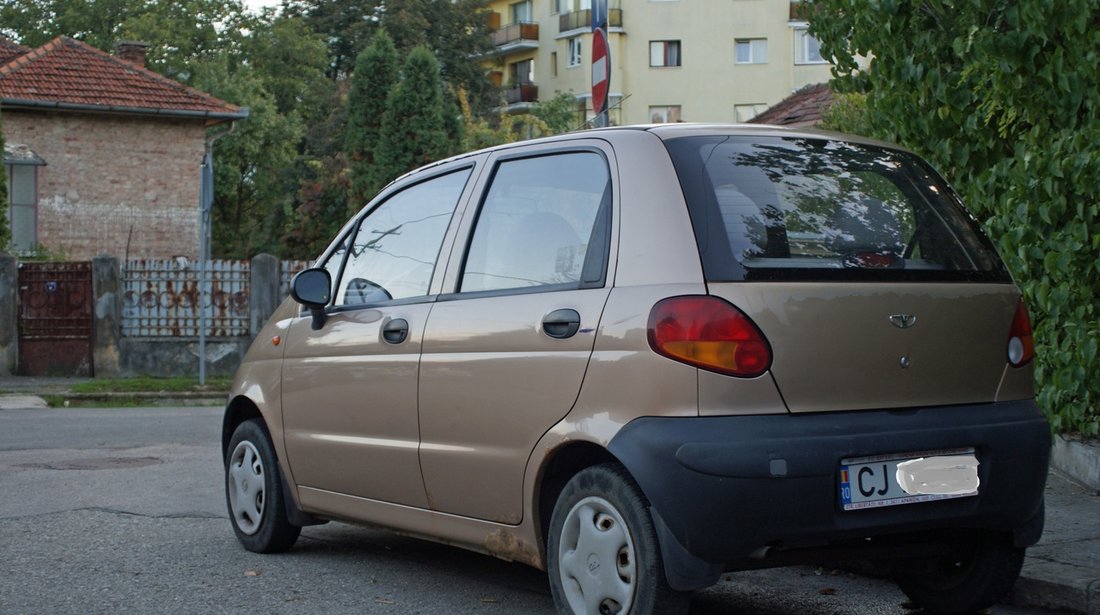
(672, 131)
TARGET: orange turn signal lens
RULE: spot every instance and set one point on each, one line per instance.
(276, 340)
(709, 333)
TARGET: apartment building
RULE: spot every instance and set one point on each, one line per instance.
(672, 60)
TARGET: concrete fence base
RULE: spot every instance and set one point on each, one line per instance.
(114, 354)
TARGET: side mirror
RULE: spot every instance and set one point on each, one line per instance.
(313, 289)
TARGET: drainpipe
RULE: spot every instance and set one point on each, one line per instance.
(206, 205)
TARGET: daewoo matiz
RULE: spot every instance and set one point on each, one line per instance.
(641, 357)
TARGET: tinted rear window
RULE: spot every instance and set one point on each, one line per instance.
(816, 209)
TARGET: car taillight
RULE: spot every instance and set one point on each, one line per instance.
(1021, 346)
(710, 333)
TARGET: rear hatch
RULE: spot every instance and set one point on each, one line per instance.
(858, 263)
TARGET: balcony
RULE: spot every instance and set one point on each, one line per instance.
(521, 35)
(522, 93)
(577, 20)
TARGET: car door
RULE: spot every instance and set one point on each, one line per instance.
(350, 387)
(505, 353)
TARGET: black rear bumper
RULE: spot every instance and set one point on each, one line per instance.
(724, 490)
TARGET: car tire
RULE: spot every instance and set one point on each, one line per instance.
(978, 575)
(254, 491)
(602, 553)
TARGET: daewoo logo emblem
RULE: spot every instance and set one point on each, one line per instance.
(903, 321)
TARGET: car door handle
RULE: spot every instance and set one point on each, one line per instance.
(395, 331)
(561, 324)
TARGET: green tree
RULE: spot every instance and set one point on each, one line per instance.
(457, 33)
(5, 233)
(413, 131)
(376, 73)
(97, 22)
(178, 32)
(1003, 96)
(292, 60)
(347, 26)
(253, 184)
(558, 114)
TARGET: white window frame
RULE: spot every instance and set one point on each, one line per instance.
(516, 75)
(755, 108)
(802, 40)
(757, 50)
(659, 51)
(529, 11)
(576, 52)
(666, 113)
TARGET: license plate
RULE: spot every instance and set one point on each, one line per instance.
(875, 482)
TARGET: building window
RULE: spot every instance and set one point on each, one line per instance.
(668, 114)
(553, 64)
(521, 12)
(522, 73)
(751, 51)
(23, 210)
(570, 6)
(747, 112)
(575, 51)
(807, 49)
(664, 53)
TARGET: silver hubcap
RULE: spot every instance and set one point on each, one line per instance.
(596, 559)
(246, 487)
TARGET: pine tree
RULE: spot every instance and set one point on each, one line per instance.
(414, 130)
(376, 73)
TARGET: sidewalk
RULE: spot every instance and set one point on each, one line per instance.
(1061, 572)
(27, 392)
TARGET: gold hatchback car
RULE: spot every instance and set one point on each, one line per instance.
(640, 357)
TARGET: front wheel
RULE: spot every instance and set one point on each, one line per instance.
(602, 554)
(254, 491)
(978, 574)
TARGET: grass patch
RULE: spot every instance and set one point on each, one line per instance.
(63, 401)
(151, 384)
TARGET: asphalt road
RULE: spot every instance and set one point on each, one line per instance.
(122, 511)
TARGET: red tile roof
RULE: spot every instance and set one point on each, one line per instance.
(9, 50)
(68, 74)
(801, 109)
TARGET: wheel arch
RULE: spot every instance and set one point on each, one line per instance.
(238, 410)
(558, 467)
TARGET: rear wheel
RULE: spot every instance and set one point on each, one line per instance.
(254, 492)
(981, 572)
(603, 555)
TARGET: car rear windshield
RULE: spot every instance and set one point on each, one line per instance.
(819, 209)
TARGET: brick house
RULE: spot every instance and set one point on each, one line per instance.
(102, 155)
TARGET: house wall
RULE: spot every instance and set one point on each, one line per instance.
(121, 185)
(709, 84)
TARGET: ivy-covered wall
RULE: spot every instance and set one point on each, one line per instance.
(1004, 97)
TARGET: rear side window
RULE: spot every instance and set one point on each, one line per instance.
(544, 225)
(809, 209)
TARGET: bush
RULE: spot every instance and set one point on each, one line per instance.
(1004, 97)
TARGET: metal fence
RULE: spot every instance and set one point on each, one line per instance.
(162, 298)
(287, 272)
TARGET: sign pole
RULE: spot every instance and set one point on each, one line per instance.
(601, 64)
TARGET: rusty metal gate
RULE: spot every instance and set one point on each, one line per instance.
(55, 319)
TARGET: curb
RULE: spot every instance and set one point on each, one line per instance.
(1044, 585)
(1080, 459)
(219, 396)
